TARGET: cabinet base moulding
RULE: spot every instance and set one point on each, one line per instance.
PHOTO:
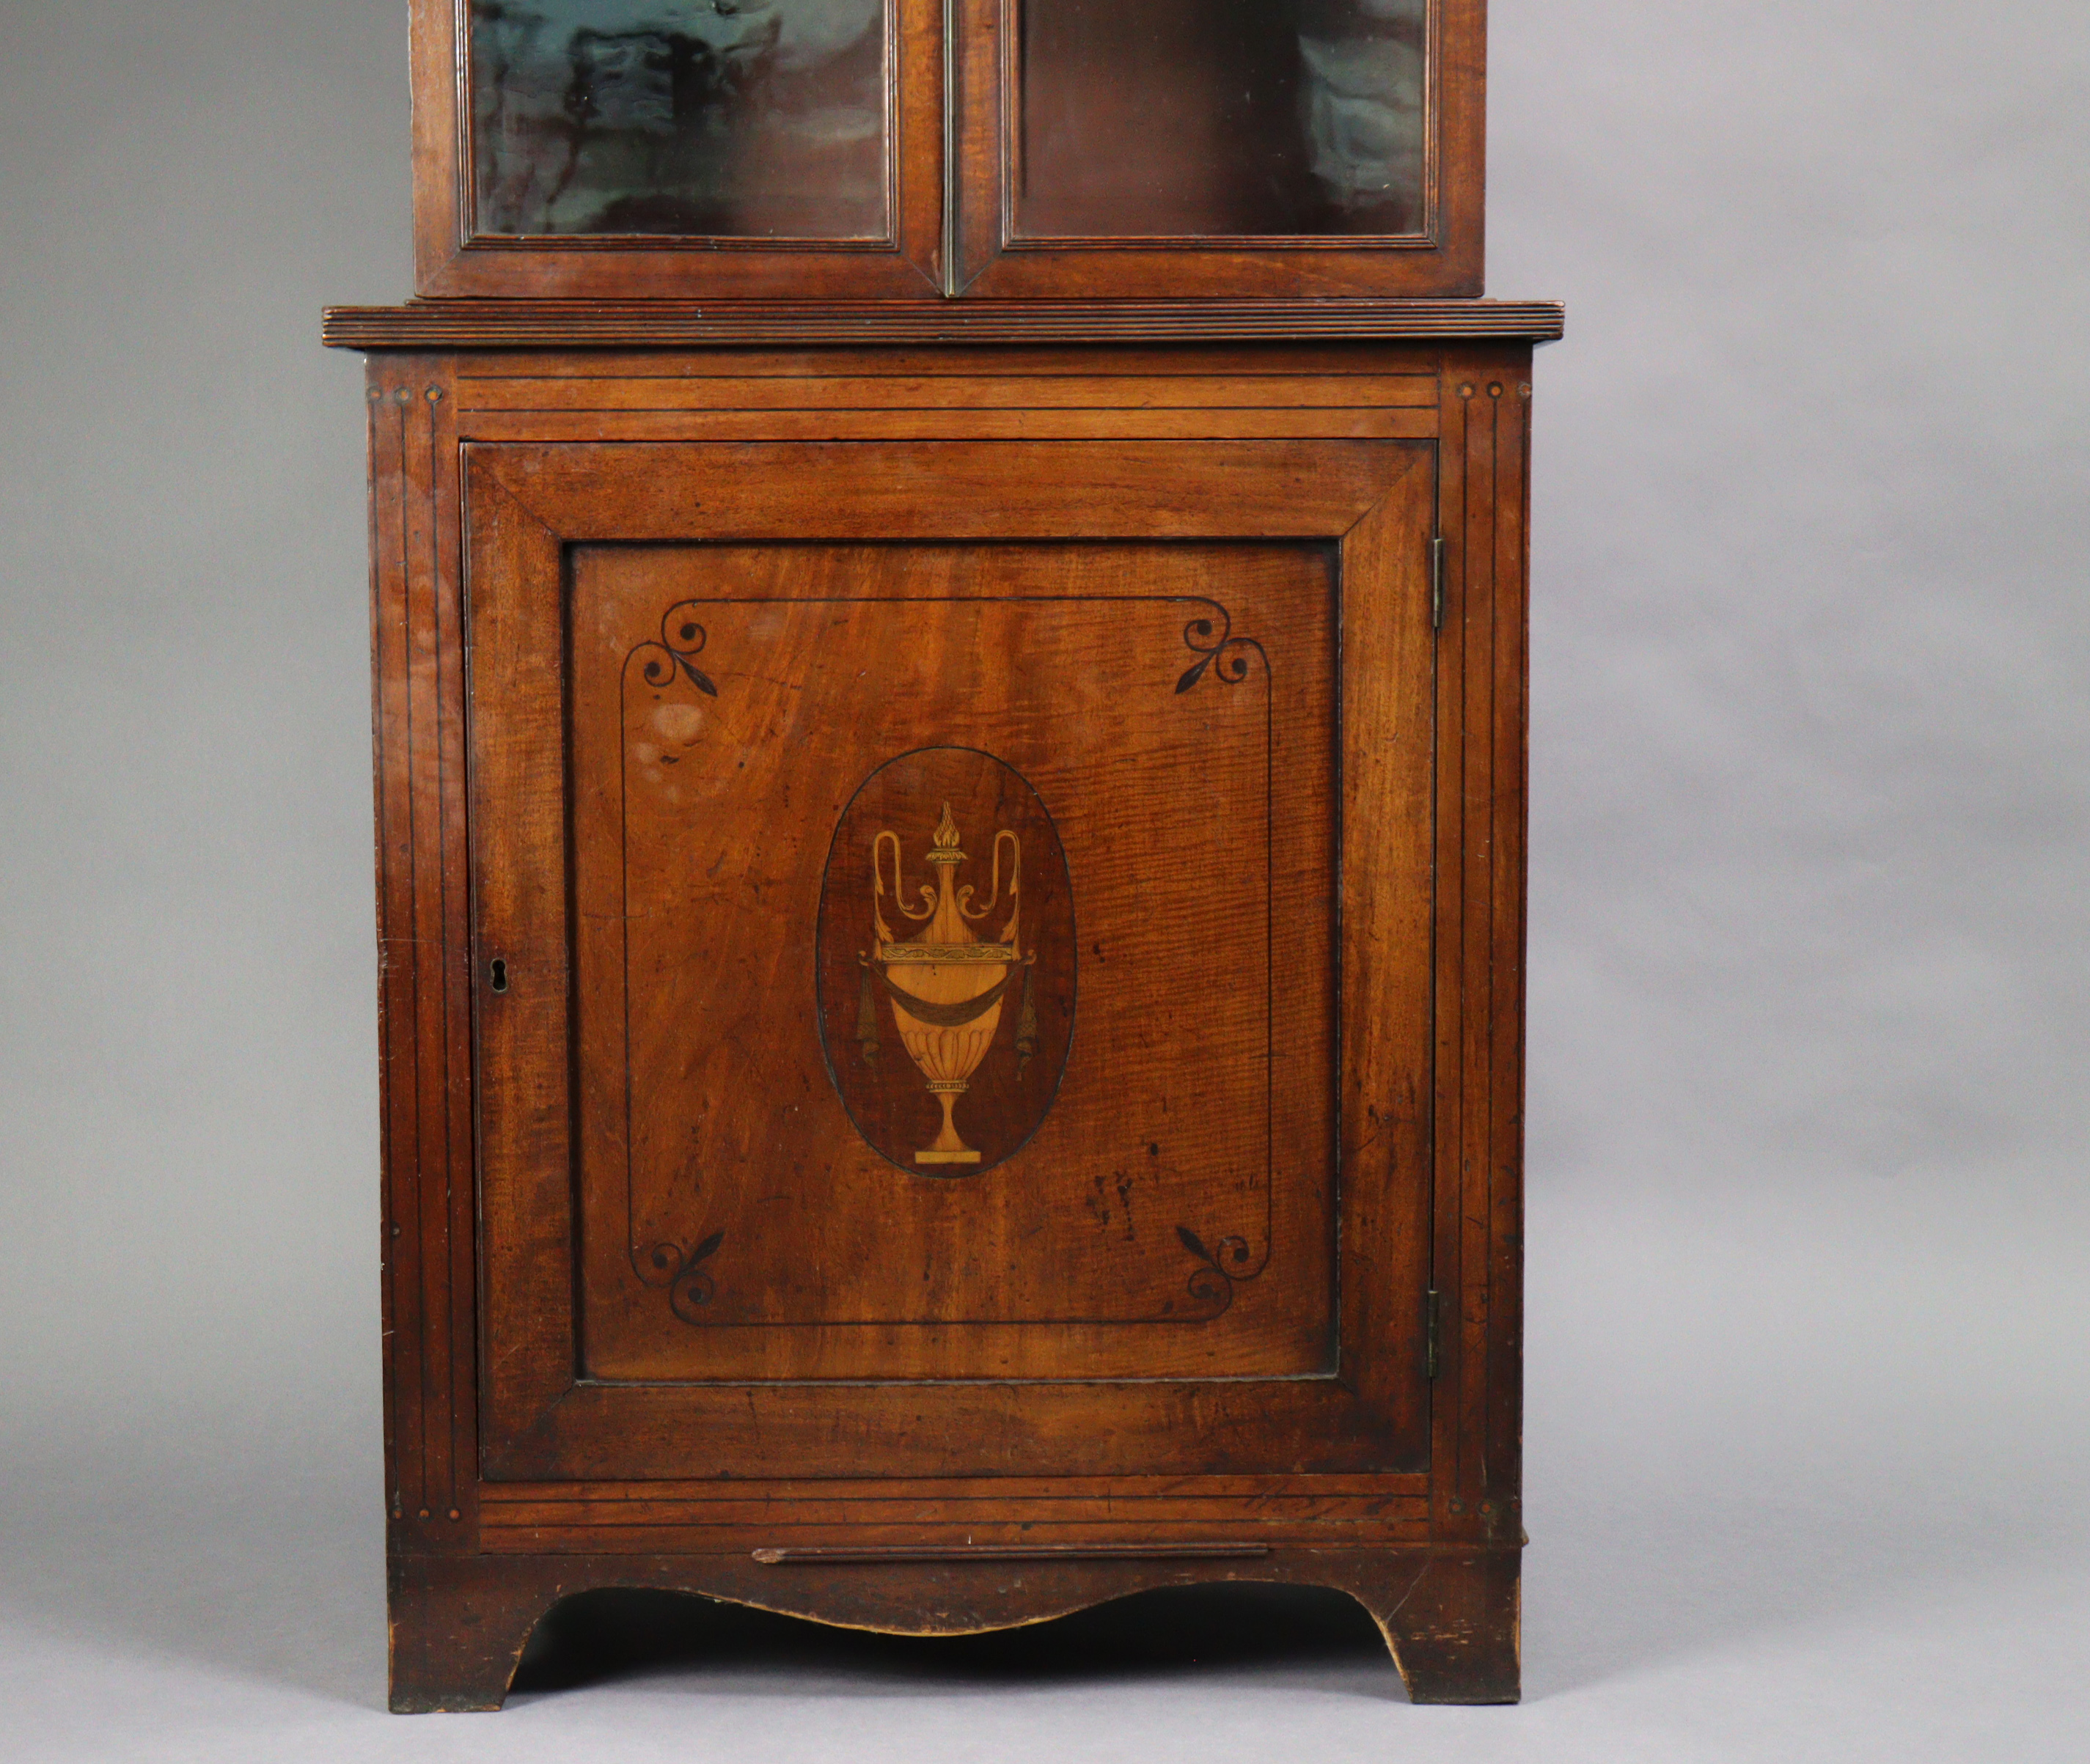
(1449, 1615)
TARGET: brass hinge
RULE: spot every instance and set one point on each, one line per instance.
(1436, 584)
(1432, 1309)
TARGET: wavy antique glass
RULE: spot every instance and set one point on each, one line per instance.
(717, 118)
(1201, 117)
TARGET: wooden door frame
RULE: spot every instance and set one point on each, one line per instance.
(990, 260)
(524, 506)
(451, 259)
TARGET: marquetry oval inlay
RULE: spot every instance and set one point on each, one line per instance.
(947, 958)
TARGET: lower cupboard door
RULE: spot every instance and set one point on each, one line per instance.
(962, 914)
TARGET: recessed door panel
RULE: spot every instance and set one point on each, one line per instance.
(1052, 1096)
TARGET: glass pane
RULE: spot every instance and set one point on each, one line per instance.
(740, 118)
(1200, 117)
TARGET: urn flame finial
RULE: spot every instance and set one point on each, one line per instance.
(943, 842)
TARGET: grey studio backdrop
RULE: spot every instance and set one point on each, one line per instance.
(1807, 1438)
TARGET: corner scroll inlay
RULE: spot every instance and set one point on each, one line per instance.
(1218, 650)
(689, 1286)
(1222, 1267)
(681, 640)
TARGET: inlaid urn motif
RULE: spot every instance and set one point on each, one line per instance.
(946, 963)
(946, 986)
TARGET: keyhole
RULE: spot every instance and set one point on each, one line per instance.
(497, 975)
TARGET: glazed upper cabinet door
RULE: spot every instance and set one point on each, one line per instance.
(1102, 149)
(1152, 148)
(963, 918)
(660, 147)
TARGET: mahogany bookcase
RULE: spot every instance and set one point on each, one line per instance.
(950, 729)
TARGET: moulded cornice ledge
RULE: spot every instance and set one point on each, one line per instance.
(556, 325)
